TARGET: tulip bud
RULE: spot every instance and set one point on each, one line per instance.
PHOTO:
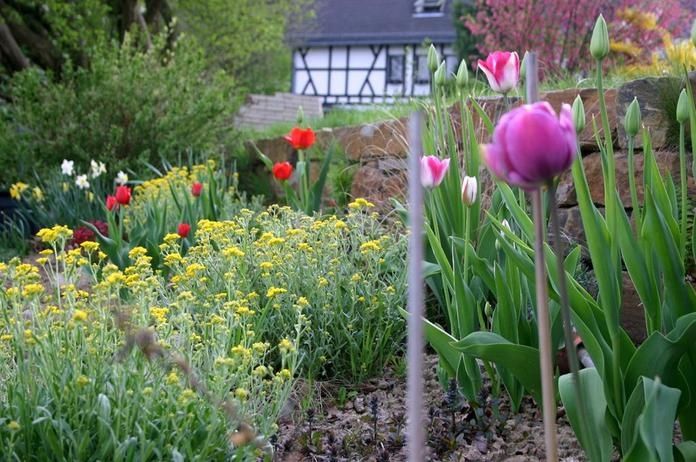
(300, 116)
(632, 118)
(693, 33)
(488, 310)
(440, 77)
(683, 106)
(506, 225)
(462, 74)
(433, 58)
(578, 114)
(523, 66)
(469, 190)
(599, 45)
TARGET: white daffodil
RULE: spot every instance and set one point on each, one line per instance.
(67, 167)
(82, 182)
(97, 168)
(121, 178)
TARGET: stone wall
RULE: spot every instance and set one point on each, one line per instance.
(262, 111)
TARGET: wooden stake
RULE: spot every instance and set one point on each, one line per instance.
(543, 321)
(416, 343)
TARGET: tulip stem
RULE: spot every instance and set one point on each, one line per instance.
(544, 332)
(565, 309)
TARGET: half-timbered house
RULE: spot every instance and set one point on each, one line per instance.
(362, 51)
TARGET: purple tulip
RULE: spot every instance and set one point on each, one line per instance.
(532, 145)
(433, 170)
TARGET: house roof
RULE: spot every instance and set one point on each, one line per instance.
(373, 22)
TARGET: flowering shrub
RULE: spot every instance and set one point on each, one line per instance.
(72, 388)
(344, 276)
(219, 341)
(558, 30)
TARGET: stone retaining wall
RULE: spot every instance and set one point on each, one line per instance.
(262, 111)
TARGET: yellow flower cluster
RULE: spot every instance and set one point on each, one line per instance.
(17, 189)
(55, 234)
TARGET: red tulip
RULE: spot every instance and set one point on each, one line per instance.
(123, 195)
(196, 188)
(502, 69)
(282, 170)
(183, 230)
(111, 203)
(301, 138)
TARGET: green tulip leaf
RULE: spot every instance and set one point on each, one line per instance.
(597, 443)
(648, 422)
(520, 360)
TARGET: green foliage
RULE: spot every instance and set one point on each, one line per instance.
(245, 37)
(127, 107)
(466, 44)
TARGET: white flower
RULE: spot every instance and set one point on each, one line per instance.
(121, 178)
(469, 190)
(67, 167)
(81, 182)
(97, 168)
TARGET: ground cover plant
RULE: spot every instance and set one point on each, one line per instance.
(257, 301)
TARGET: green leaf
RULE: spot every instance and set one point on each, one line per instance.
(483, 115)
(597, 444)
(318, 186)
(521, 360)
(659, 356)
(650, 429)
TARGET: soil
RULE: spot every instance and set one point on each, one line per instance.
(369, 424)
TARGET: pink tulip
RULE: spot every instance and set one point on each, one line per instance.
(502, 69)
(433, 170)
(532, 145)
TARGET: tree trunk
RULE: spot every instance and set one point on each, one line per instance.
(10, 53)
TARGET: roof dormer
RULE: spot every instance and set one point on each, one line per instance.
(428, 8)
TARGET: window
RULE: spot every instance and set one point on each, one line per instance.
(421, 73)
(429, 7)
(395, 69)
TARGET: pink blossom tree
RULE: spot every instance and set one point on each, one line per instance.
(560, 30)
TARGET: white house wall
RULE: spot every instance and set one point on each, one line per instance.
(358, 74)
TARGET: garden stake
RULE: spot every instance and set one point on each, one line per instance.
(571, 350)
(415, 295)
(543, 323)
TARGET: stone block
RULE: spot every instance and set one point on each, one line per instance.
(668, 163)
(657, 97)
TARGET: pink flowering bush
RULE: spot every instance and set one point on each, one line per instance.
(560, 30)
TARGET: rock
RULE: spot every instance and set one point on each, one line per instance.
(632, 313)
(668, 162)
(386, 139)
(378, 185)
(572, 231)
(590, 100)
(657, 97)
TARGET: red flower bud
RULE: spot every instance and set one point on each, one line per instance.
(301, 138)
(183, 230)
(282, 170)
(111, 203)
(123, 195)
(196, 188)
